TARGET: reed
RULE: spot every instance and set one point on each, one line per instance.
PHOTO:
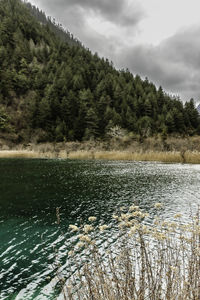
(192, 157)
(81, 154)
(140, 156)
(160, 261)
(167, 157)
(19, 154)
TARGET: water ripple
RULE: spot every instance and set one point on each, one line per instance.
(31, 240)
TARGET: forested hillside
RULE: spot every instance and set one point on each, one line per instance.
(57, 28)
(54, 89)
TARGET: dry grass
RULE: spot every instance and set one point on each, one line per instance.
(81, 155)
(150, 262)
(167, 157)
(179, 150)
(26, 154)
(192, 157)
(18, 154)
(140, 156)
(126, 148)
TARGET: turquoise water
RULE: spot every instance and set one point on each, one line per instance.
(31, 190)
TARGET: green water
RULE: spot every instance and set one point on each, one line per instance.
(30, 191)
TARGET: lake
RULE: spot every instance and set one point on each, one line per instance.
(31, 190)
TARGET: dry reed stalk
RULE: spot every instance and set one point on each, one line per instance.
(192, 157)
(80, 154)
(166, 157)
(157, 262)
(18, 154)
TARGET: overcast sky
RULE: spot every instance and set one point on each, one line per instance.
(153, 38)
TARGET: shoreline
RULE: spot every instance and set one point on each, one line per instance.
(190, 157)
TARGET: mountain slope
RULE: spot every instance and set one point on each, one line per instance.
(53, 90)
(57, 28)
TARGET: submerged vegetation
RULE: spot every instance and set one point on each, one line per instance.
(151, 259)
(53, 89)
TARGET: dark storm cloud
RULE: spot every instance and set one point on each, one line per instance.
(117, 11)
(174, 64)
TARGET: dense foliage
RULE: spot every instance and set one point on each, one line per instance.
(54, 89)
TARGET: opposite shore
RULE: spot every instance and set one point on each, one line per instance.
(172, 150)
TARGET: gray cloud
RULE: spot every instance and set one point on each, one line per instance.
(174, 63)
(122, 16)
(118, 11)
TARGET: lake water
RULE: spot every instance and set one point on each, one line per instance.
(31, 190)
